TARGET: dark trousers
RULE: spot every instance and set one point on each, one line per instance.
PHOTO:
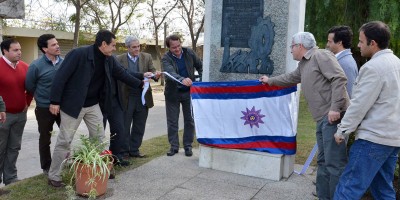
(10, 143)
(116, 121)
(172, 106)
(331, 159)
(135, 123)
(45, 122)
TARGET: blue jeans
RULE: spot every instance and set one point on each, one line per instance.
(370, 166)
(331, 159)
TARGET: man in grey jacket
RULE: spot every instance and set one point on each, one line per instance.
(339, 42)
(374, 114)
(38, 81)
(323, 84)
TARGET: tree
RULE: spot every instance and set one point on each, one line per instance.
(78, 4)
(111, 14)
(76, 17)
(193, 15)
(158, 16)
(321, 15)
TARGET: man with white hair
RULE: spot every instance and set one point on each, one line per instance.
(135, 111)
(323, 83)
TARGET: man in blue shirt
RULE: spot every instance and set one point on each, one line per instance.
(38, 81)
(339, 42)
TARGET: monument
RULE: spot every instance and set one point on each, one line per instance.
(11, 9)
(244, 39)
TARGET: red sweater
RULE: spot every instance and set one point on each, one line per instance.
(12, 86)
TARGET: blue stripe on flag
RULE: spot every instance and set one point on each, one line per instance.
(246, 139)
(275, 93)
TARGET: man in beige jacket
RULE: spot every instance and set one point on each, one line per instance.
(323, 84)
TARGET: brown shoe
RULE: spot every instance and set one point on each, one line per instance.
(56, 184)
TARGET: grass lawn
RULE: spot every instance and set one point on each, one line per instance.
(305, 133)
(36, 187)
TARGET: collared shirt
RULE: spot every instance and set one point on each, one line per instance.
(54, 63)
(177, 56)
(337, 55)
(133, 58)
(12, 65)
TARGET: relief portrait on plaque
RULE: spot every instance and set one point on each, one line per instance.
(256, 60)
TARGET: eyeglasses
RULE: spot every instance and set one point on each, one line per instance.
(134, 47)
(291, 46)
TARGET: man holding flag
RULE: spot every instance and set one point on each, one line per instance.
(324, 85)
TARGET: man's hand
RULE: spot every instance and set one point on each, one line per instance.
(263, 79)
(339, 138)
(333, 116)
(54, 109)
(2, 117)
(187, 81)
(148, 74)
(157, 75)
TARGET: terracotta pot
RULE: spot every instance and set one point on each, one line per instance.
(84, 184)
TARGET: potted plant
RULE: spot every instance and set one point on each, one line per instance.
(90, 167)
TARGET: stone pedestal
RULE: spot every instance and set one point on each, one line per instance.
(287, 18)
(250, 163)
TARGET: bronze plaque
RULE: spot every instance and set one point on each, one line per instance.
(238, 16)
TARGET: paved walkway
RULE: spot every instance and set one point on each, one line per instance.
(180, 177)
(176, 177)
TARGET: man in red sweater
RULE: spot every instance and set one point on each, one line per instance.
(12, 89)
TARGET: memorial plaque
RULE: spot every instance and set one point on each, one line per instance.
(238, 16)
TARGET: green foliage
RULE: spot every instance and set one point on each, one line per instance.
(90, 154)
(321, 15)
(305, 132)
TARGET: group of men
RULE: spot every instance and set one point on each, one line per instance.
(90, 84)
(372, 112)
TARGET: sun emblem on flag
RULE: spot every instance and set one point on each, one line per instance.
(252, 117)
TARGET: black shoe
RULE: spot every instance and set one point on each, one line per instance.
(56, 184)
(172, 152)
(188, 151)
(119, 161)
(314, 193)
(12, 181)
(137, 155)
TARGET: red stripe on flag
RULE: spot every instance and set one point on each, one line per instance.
(250, 145)
(238, 89)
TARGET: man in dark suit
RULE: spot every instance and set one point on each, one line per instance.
(136, 111)
(181, 64)
(83, 84)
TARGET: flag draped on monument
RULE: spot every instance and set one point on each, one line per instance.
(245, 115)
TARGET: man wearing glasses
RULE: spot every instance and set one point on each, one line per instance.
(323, 83)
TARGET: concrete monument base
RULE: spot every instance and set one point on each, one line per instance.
(245, 162)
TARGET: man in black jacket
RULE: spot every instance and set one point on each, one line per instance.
(82, 89)
(181, 64)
